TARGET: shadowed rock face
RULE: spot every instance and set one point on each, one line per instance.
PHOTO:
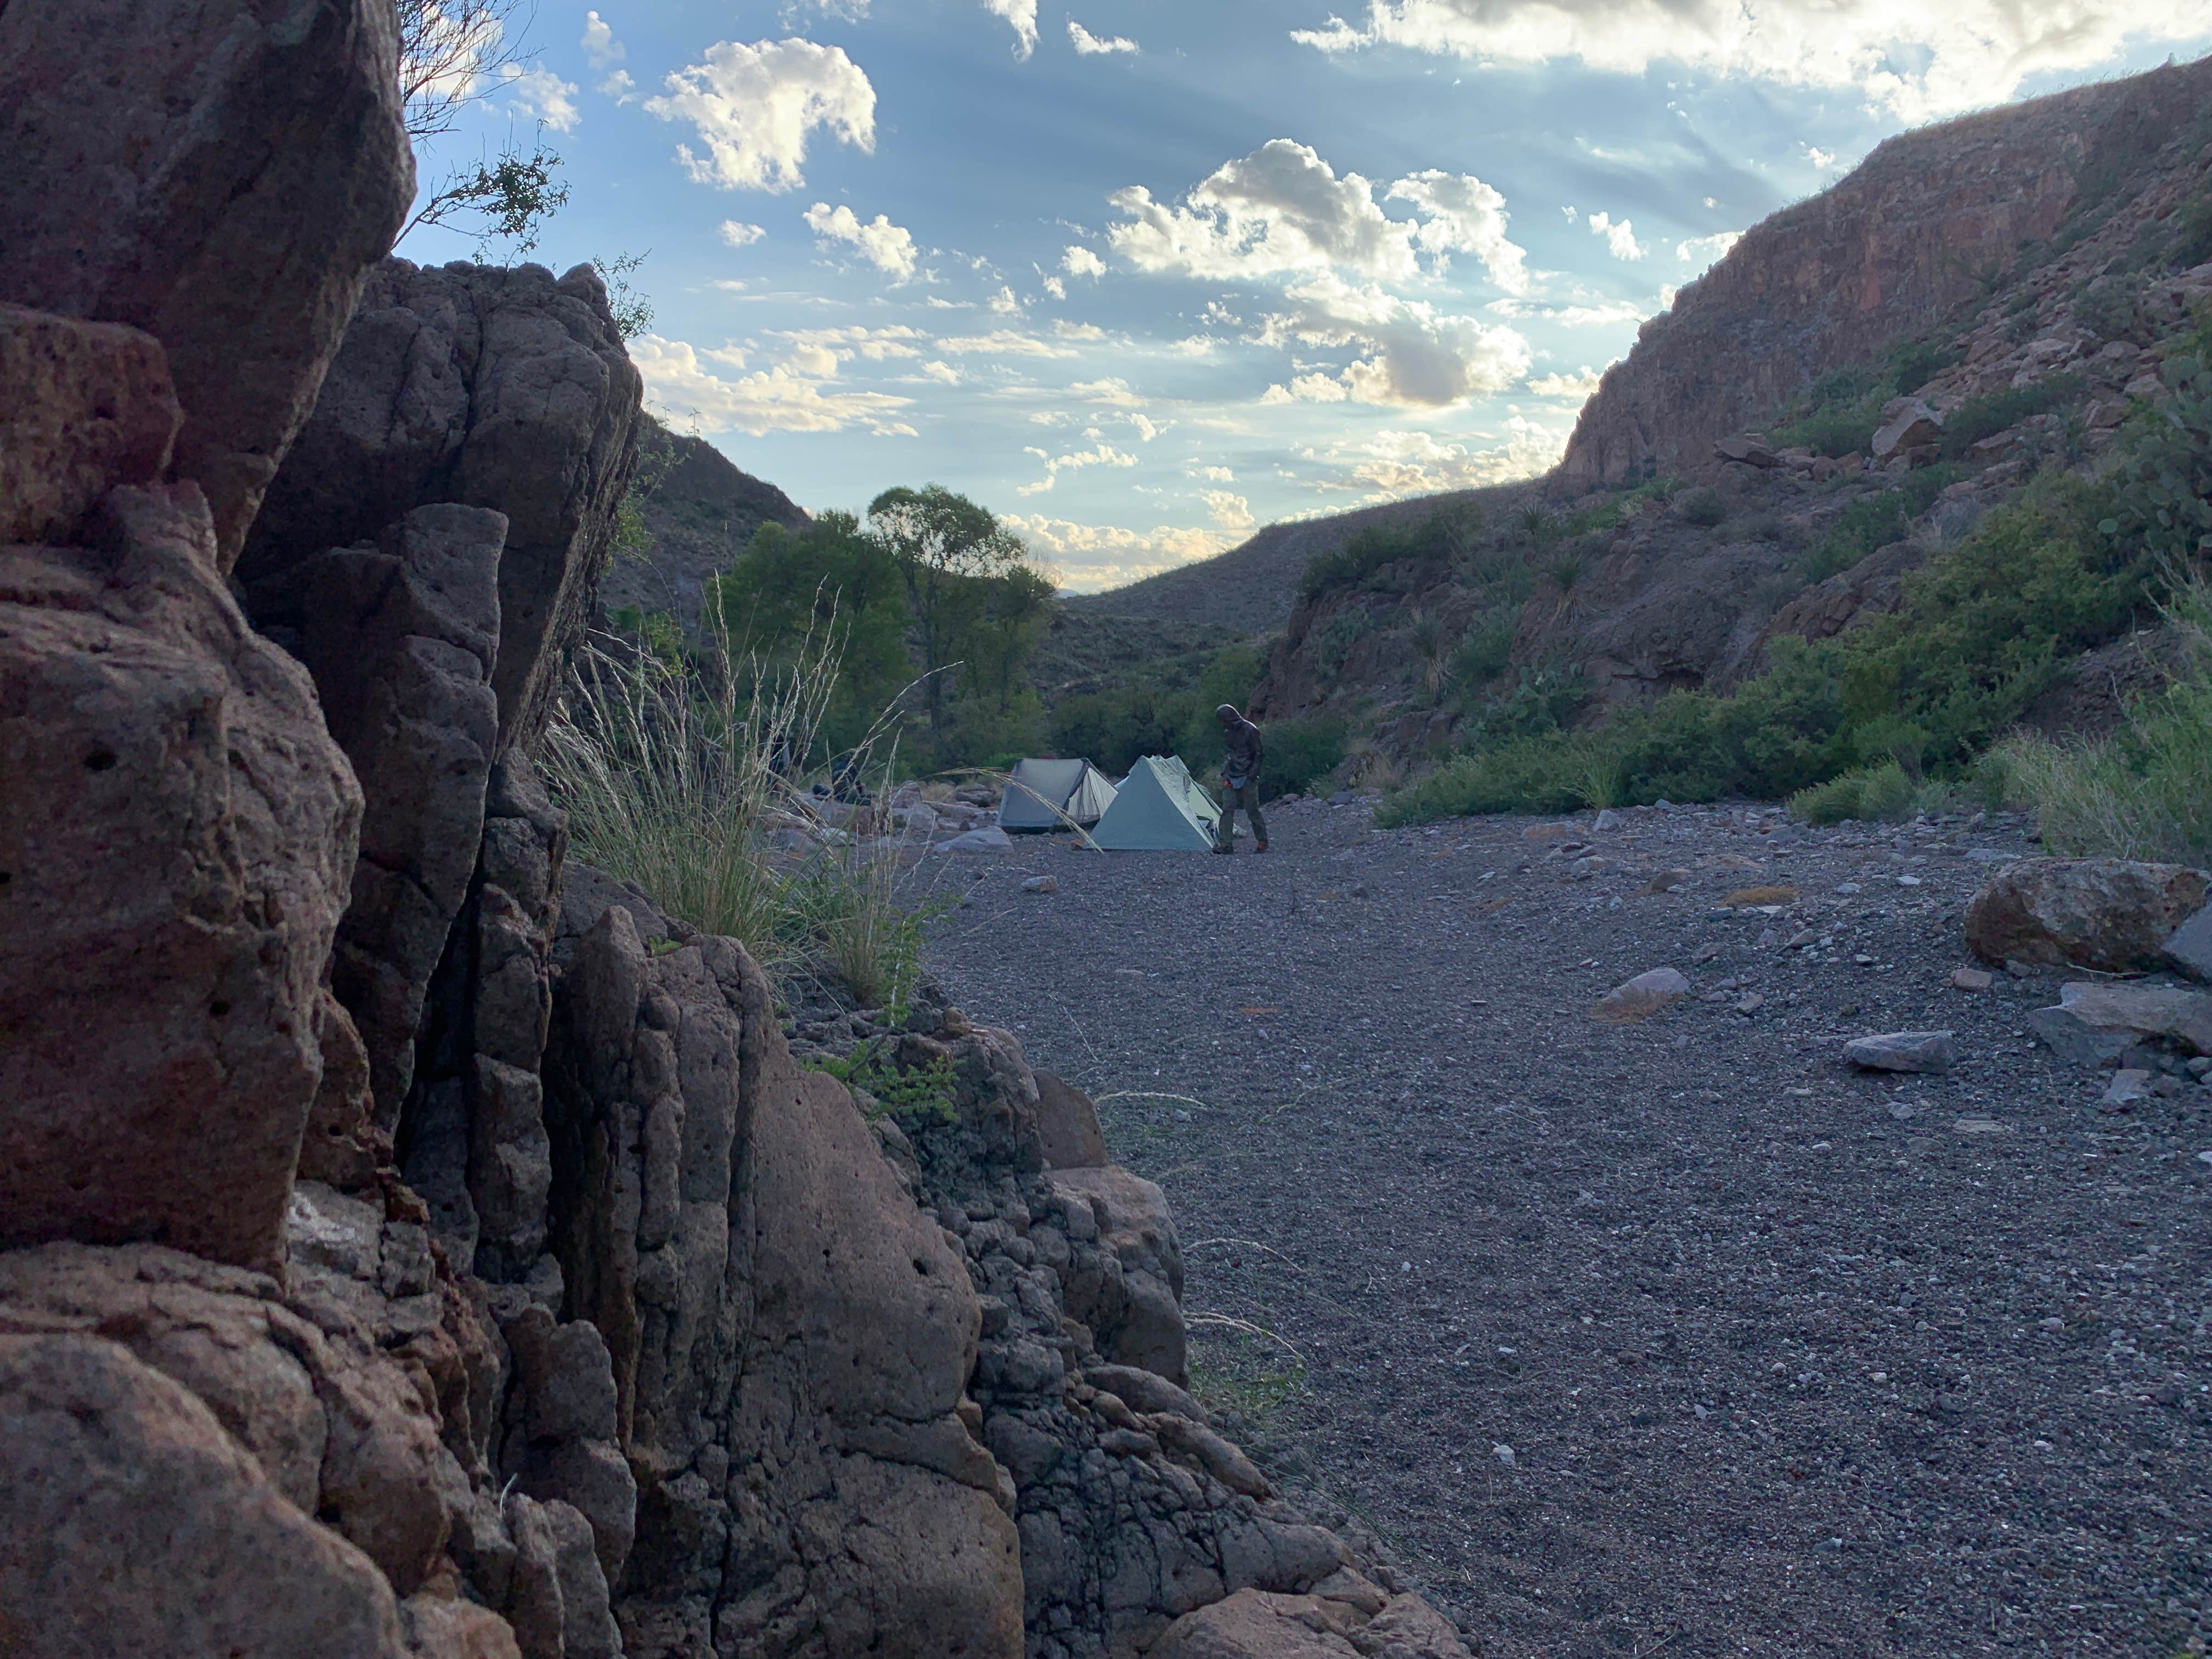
(219, 174)
(1882, 256)
(501, 389)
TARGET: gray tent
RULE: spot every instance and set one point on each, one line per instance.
(1042, 790)
(1158, 809)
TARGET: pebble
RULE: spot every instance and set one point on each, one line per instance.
(1972, 979)
(1904, 1051)
(1041, 884)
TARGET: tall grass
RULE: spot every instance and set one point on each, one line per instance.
(2146, 791)
(682, 773)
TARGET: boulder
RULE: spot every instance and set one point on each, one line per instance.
(178, 844)
(1908, 424)
(1344, 1617)
(2190, 948)
(2094, 1022)
(506, 389)
(2107, 914)
(130, 1522)
(1130, 1294)
(1640, 997)
(1904, 1051)
(86, 406)
(990, 840)
(1068, 1123)
(220, 175)
(1748, 448)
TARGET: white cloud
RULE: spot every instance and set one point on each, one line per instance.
(1826, 159)
(741, 235)
(1092, 556)
(1088, 45)
(1619, 236)
(1391, 463)
(816, 352)
(1001, 343)
(883, 244)
(461, 46)
(621, 86)
(1212, 474)
(1055, 287)
(1467, 215)
(1703, 251)
(1022, 13)
(1082, 262)
(1114, 390)
(754, 107)
(1280, 209)
(601, 49)
(1581, 384)
(1417, 356)
(542, 95)
(1101, 454)
(944, 373)
(1911, 58)
(1232, 512)
(775, 400)
(1003, 303)
(1088, 332)
(1611, 314)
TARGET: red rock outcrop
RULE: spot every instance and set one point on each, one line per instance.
(220, 174)
(1919, 228)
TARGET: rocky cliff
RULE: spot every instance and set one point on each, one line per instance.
(412, 1243)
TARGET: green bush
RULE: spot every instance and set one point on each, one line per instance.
(2164, 505)
(2111, 307)
(1485, 651)
(1877, 791)
(2192, 233)
(1296, 753)
(1915, 363)
(1344, 630)
(1873, 522)
(1436, 539)
(1704, 507)
(1989, 413)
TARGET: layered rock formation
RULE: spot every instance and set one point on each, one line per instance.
(1929, 222)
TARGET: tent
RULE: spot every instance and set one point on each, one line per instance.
(1041, 790)
(1158, 810)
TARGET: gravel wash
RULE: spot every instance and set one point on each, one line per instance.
(1677, 1336)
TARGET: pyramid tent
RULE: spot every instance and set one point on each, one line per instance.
(1158, 810)
(1041, 791)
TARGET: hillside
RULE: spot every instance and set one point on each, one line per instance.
(695, 511)
(1919, 405)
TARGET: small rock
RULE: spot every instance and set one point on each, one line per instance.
(2191, 948)
(1608, 819)
(1666, 882)
(1746, 898)
(1971, 979)
(1502, 1452)
(1642, 997)
(1551, 832)
(2128, 1086)
(992, 840)
(1846, 889)
(1041, 884)
(1904, 1051)
(1751, 1004)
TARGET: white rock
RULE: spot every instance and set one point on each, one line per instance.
(1904, 1051)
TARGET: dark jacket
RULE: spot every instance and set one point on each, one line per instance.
(1242, 764)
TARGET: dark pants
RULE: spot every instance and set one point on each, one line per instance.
(1246, 795)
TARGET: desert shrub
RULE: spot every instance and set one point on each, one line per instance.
(1362, 560)
(1988, 413)
(1111, 729)
(2192, 233)
(1297, 753)
(1520, 774)
(2111, 307)
(917, 1097)
(1486, 650)
(1704, 507)
(1876, 791)
(1915, 363)
(1343, 631)
(1873, 522)
(2163, 504)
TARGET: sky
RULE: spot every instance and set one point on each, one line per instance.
(1142, 275)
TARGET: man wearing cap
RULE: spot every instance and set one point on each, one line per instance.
(1240, 780)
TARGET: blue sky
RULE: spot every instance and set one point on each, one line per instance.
(1142, 275)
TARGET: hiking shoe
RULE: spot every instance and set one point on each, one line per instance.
(1262, 847)
(1225, 851)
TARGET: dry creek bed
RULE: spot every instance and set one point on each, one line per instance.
(1674, 1337)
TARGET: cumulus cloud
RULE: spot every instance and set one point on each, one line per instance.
(1232, 512)
(1581, 384)
(1093, 557)
(601, 49)
(542, 95)
(1619, 236)
(1114, 390)
(1390, 464)
(1003, 303)
(1467, 216)
(1022, 13)
(1212, 474)
(1082, 262)
(1703, 251)
(741, 235)
(1914, 59)
(1101, 454)
(883, 244)
(816, 352)
(620, 86)
(1416, 357)
(1088, 45)
(755, 106)
(773, 400)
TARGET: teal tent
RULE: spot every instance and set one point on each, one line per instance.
(1043, 794)
(1158, 809)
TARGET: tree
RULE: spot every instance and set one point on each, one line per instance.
(454, 53)
(949, 552)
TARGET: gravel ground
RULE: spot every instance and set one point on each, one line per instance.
(1673, 1337)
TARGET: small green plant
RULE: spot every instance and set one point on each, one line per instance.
(2164, 490)
(1704, 507)
(916, 1096)
(1991, 412)
(1345, 629)
(1431, 642)
(2111, 307)
(1876, 791)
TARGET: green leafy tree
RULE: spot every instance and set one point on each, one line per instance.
(949, 552)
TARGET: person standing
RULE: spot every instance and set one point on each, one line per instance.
(1240, 780)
